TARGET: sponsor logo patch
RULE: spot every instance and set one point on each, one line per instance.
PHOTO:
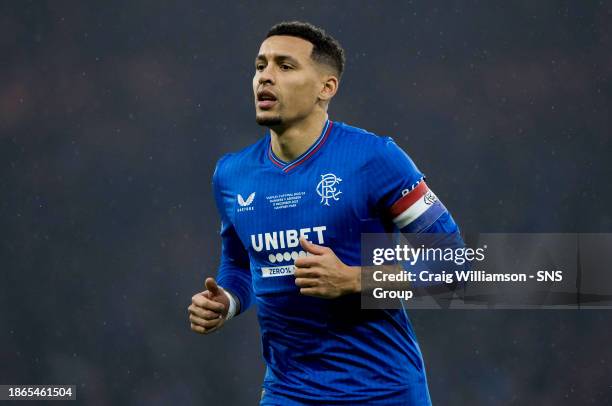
(270, 272)
(245, 205)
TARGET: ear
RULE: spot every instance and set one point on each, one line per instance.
(329, 87)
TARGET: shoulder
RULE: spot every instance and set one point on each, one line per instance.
(368, 144)
(235, 163)
(379, 157)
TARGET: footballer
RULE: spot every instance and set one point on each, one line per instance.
(293, 207)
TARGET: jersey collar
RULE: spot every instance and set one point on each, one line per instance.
(288, 166)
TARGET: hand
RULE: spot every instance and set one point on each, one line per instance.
(208, 309)
(322, 274)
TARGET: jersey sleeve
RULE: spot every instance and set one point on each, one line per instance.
(234, 272)
(401, 193)
(403, 196)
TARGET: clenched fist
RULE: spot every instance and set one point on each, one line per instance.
(208, 308)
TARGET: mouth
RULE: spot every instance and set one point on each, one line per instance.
(266, 99)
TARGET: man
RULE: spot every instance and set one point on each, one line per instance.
(293, 207)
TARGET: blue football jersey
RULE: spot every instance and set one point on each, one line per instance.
(348, 182)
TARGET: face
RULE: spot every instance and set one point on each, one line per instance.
(287, 82)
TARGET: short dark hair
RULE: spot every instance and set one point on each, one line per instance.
(326, 49)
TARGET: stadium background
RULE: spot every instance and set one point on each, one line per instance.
(112, 117)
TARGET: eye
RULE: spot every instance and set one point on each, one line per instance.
(284, 66)
(259, 66)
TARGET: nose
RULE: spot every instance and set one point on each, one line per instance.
(265, 76)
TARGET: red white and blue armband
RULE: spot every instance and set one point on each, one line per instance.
(417, 209)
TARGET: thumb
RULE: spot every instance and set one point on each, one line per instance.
(211, 286)
(311, 248)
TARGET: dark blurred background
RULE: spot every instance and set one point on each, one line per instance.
(112, 116)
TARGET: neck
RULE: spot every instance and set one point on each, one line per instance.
(292, 141)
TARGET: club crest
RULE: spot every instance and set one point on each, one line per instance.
(327, 189)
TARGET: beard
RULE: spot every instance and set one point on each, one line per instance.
(269, 121)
